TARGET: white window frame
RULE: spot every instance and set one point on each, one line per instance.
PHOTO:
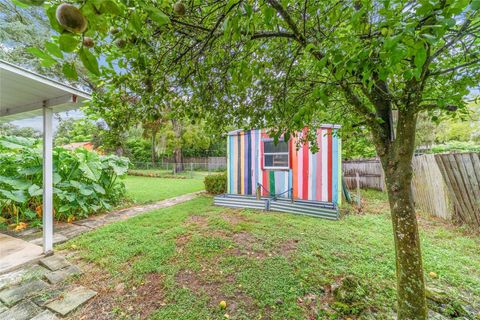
(274, 153)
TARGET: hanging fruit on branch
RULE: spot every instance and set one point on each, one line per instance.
(88, 42)
(179, 8)
(71, 18)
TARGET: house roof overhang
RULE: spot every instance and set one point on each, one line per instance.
(23, 94)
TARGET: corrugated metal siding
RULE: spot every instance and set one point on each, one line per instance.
(311, 176)
(326, 210)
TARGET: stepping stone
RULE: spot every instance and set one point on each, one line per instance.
(28, 289)
(57, 238)
(70, 230)
(47, 296)
(55, 262)
(91, 223)
(22, 275)
(71, 300)
(45, 315)
(62, 274)
(25, 310)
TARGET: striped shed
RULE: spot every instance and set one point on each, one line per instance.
(285, 169)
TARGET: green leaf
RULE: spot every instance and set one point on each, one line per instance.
(53, 20)
(89, 61)
(69, 71)
(17, 196)
(108, 6)
(39, 53)
(67, 42)
(85, 191)
(54, 49)
(20, 4)
(475, 5)
(35, 190)
(14, 142)
(30, 214)
(268, 14)
(28, 171)
(15, 183)
(158, 16)
(64, 208)
(420, 56)
(98, 188)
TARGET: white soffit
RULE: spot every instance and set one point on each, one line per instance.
(23, 94)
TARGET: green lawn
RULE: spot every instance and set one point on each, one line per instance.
(148, 189)
(168, 173)
(180, 262)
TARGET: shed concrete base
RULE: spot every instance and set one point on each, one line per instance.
(15, 253)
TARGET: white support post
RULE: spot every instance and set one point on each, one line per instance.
(47, 181)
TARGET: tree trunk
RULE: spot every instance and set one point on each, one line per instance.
(396, 162)
(154, 147)
(119, 151)
(178, 160)
(177, 152)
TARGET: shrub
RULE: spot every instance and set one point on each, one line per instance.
(456, 146)
(216, 183)
(84, 182)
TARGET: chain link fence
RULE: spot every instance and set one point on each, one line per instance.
(190, 169)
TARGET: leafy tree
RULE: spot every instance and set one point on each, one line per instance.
(425, 132)
(8, 129)
(75, 130)
(286, 64)
(357, 144)
(463, 129)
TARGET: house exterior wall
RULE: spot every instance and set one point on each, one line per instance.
(310, 176)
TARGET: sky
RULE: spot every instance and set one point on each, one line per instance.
(36, 122)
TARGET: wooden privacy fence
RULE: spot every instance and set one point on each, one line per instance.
(430, 192)
(370, 173)
(444, 185)
(461, 172)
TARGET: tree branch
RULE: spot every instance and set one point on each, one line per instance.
(272, 34)
(440, 72)
(289, 21)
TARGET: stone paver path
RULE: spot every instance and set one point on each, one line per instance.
(66, 231)
(71, 300)
(25, 295)
(42, 291)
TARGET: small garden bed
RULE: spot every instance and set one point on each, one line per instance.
(84, 182)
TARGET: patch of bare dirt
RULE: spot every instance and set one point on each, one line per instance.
(102, 305)
(246, 246)
(428, 222)
(213, 288)
(288, 247)
(201, 221)
(234, 218)
(310, 304)
(115, 298)
(181, 241)
(148, 297)
(244, 239)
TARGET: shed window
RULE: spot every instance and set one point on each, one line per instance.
(275, 156)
